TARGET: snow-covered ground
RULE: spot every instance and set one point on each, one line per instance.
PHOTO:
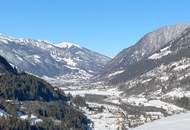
(33, 119)
(97, 91)
(3, 113)
(116, 73)
(176, 122)
(163, 52)
(141, 101)
(111, 118)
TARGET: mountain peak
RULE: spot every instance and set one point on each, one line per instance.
(67, 45)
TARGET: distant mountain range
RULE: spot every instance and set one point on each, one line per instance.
(50, 60)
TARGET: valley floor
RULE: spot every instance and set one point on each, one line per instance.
(111, 117)
(115, 117)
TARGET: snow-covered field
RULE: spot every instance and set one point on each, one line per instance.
(176, 122)
(111, 118)
(97, 91)
(3, 113)
(141, 101)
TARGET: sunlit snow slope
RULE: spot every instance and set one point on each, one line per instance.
(176, 122)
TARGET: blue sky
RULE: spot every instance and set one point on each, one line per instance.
(105, 26)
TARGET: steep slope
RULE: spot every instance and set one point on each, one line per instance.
(28, 102)
(150, 43)
(22, 86)
(42, 58)
(173, 52)
(5, 67)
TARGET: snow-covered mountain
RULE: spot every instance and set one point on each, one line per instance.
(163, 75)
(147, 45)
(171, 60)
(49, 60)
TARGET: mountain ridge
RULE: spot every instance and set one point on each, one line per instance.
(45, 59)
(148, 44)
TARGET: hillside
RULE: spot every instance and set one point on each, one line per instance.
(28, 102)
(146, 46)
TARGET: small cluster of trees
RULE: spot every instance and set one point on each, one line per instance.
(79, 101)
(183, 102)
